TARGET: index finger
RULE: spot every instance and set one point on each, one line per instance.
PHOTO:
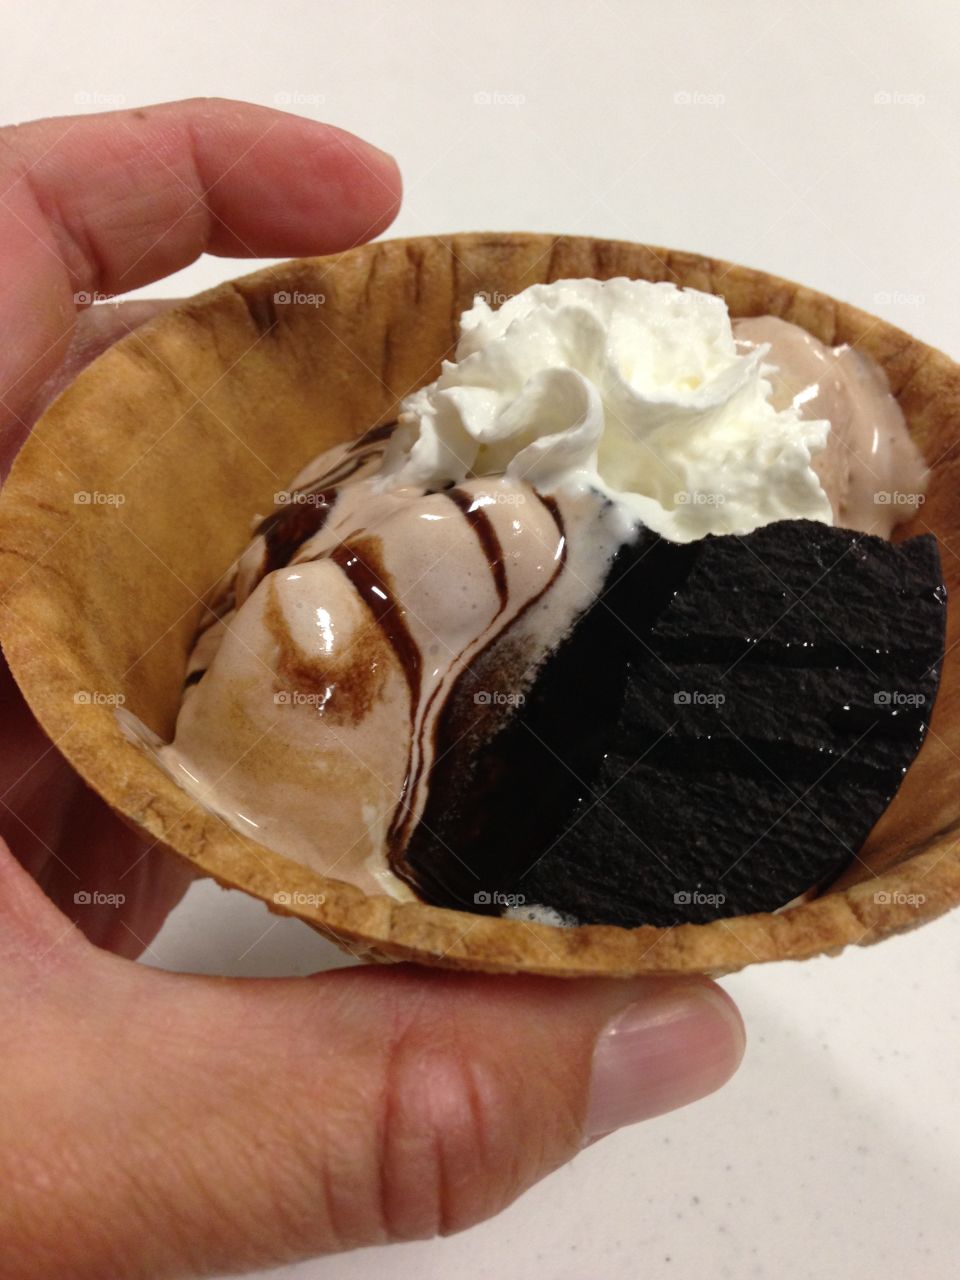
(101, 204)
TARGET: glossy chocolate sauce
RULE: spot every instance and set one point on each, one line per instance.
(480, 523)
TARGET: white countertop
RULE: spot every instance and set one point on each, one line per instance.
(815, 140)
(834, 1154)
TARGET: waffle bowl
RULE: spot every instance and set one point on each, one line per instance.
(137, 489)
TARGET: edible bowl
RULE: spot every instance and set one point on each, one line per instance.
(198, 418)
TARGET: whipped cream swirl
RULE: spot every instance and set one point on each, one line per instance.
(634, 389)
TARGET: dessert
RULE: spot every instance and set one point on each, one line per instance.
(605, 629)
(201, 416)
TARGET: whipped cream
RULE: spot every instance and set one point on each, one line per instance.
(636, 390)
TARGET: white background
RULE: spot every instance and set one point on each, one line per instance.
(816, 140)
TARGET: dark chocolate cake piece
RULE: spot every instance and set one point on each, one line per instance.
(717, 735)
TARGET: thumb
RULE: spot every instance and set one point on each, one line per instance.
(195, 1125)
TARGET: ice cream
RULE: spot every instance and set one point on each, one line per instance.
(573, 417)
(870, 469)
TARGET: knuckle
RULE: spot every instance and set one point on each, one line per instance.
(448, 1140)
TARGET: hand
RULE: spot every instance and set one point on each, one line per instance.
(171, 1125)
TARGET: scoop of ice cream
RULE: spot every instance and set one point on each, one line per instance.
(634, 389)
(871, 469)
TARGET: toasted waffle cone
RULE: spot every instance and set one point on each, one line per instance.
(199, 417)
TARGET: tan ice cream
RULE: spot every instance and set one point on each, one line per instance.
(573, 415)
(871, 470)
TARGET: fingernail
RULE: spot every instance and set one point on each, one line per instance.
(675, 1045)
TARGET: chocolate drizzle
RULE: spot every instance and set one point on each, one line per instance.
(306, 511)
(467, 682)
(285, 532)
(360, 560)
(560, 560)
(482, 526)
(376, 435)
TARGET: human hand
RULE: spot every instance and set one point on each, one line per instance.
(172, 1125)
(91, 207)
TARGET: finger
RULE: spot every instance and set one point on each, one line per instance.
(117, 888)
(114, 886)
(236, 1124)
(129, 196)
(96, 329)
(104, 203)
